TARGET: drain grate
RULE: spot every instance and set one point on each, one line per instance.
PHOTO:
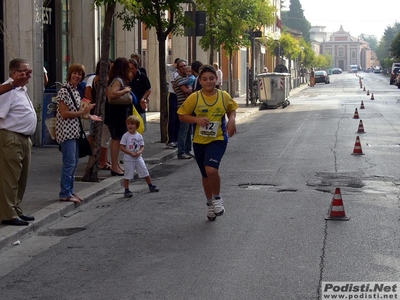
(255, 186)
(287, 190)
(62, 231)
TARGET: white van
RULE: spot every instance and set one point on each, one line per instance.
(353, 68)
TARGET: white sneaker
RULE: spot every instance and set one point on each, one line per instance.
(218, 206)
(210, 211)
(172, 145)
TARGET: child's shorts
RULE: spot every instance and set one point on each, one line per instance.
(209, 155)
(137, 165)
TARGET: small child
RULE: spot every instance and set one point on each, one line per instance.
(132, 144)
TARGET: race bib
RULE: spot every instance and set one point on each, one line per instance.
(211, 130)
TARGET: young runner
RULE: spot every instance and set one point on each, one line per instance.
(207, 109)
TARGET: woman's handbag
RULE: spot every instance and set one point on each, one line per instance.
(84, 146)
(125, 99)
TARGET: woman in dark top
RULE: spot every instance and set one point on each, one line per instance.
(115, 115)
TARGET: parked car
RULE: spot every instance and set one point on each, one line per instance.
(337, 71)
(321, 76)
(393, 75)
(377, 70)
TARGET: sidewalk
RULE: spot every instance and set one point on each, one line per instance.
(41, 196)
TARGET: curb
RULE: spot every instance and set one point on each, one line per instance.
(57, 210)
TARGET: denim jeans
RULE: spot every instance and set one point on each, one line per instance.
(70, 158)
(173, 119)
(184, 138)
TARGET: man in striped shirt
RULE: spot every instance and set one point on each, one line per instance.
(182, 92)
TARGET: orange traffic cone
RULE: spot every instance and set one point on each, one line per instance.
(368, 93)
(372, 96)
(364, 89)
(355, 114)
(336, 211)
(357, 147)
(360, 127)
(362, 105)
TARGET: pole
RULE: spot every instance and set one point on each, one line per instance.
(192, 39)
(247, 76)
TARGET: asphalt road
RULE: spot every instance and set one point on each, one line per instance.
(279, 175)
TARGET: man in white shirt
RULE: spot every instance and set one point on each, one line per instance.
(17, 123)
(172, 102)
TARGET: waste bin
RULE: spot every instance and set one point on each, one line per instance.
(330, 72)
(273, 89)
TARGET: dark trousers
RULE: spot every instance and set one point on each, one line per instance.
(173, 118)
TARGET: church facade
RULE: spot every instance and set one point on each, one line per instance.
(347, 50)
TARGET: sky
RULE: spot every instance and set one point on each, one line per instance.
(356, 16)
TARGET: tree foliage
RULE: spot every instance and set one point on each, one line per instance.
(230, 24)
(294, 18)
(395, 47)
(165, 16)
(383, 52)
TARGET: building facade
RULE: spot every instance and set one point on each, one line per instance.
(347, 50)
(56, 33)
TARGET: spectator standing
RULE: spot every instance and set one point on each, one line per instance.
(132, 144)
(17, 123)
(19, 80)
(91, 94)
(219, 76)
(115, 115)
(182, 92)
(68, 130)
(312, 77)
(211, 135)
(172, 102)
(137, 57)
(141, 87)
(195, 70)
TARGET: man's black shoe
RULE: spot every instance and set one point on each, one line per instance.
(16, 222)
(27, 218)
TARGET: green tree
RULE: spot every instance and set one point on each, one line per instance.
(259, 13)
(372, 40)
(308, 54)
(383, 50)
(294, 18)
(323, 61)
(165, 16)
(238, 18)
(92, 168)
(395, 47)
